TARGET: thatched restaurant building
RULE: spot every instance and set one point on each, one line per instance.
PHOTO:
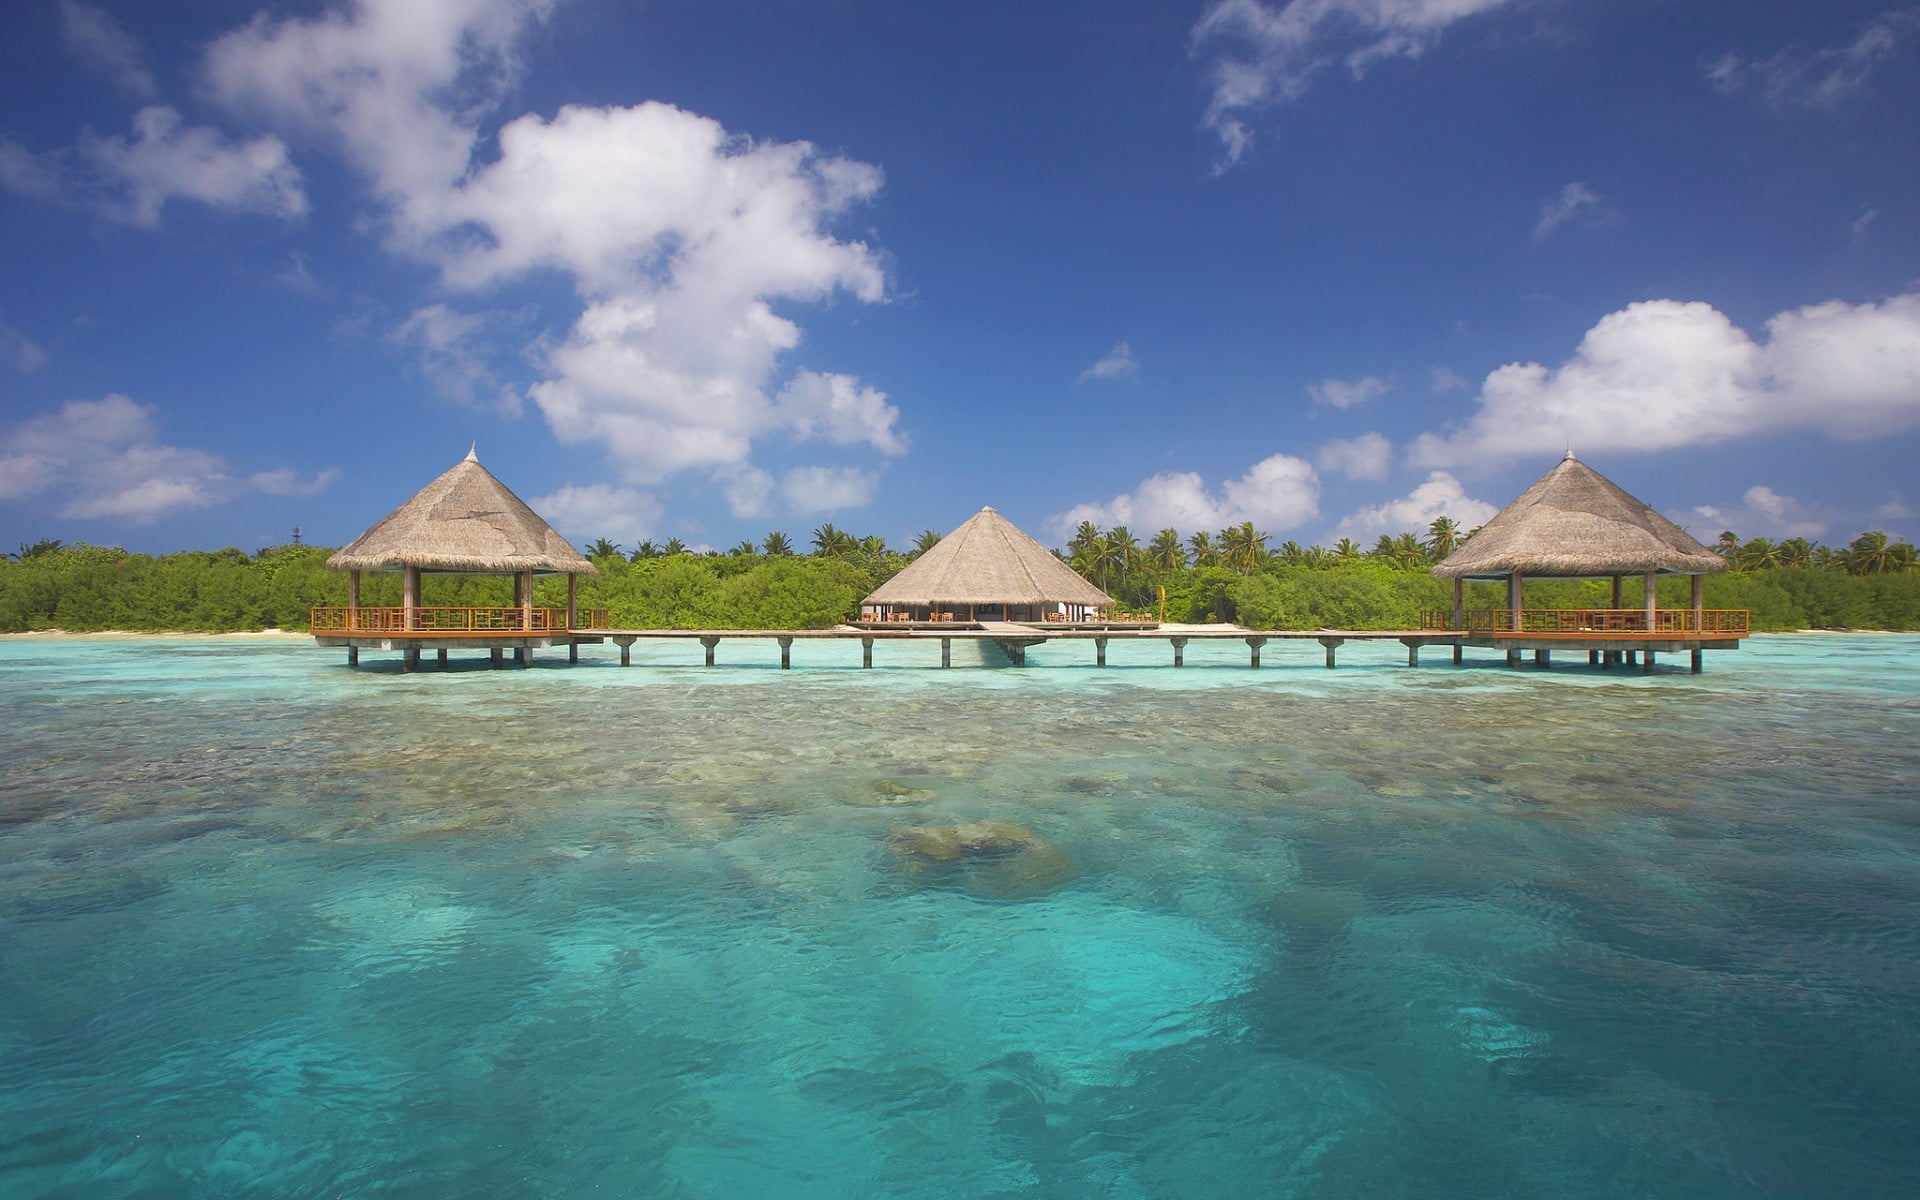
(986, 570)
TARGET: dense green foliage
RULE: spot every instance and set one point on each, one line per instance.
(1231, 576)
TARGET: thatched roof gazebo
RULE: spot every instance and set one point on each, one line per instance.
(988, 568)
(1576, 523)
(464, 522)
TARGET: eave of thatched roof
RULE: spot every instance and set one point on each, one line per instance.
(1575, 522)
(988, 560)
(464, 521)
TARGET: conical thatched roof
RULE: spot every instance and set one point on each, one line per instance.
(1576, 522)
(988, 560)
(466, 520)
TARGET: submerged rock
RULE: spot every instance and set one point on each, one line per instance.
(888, 792)
(993, 858)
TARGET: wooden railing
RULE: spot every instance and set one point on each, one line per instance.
(450, 620)
(1591, 620)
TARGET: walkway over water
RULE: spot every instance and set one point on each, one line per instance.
(1610, 637)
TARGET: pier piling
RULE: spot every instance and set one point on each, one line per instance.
(1332, 644)
(946, 652)
(1100, 652)
(866, 654)
(786, 653)
(709, 643)
(1254, 645)
(1179, 651)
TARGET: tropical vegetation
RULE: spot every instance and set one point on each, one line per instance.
(1233, 574)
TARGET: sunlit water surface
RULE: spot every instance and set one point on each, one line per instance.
(271, 927)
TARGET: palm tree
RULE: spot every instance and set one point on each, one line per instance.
(1383, 549)
(1165, 550)
(1291, 553)
(832, 542)
(1868, 554)
(1205, 554)
(1728, 544)
(1106, 554)
(776, 545)
(1346, 550)
(1126, 550)
(673, 547)
(1443, 536)
(1243, 546)
(928, 539)
(644, 550)
(1083, 538)
(36, 549)
(743, 550)
(873, 546)
(601, 548)
(1796, 552)
(1757, 554)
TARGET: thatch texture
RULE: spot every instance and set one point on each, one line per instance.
(988, 560)
(1575, 522)
(466, 520)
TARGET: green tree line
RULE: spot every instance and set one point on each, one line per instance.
(1232, 575)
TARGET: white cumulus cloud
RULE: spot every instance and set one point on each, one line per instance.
(809, 490)
(1366, 457)
(1440, 496)
(168, 159)
(619, 514)
(1277, 493)
(684, 241)
(1663, 374)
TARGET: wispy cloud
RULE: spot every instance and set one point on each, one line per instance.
(103, 459)
(1822, 78)
(1346, 393)
(97, 41)
(1118, 364)
(1268, 54)
(19, 351)
(1575, 200)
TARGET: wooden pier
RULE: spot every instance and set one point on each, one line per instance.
(1609, 637)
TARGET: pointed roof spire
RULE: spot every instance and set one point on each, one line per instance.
(1576, 523)
(473, 453)
(466, 520)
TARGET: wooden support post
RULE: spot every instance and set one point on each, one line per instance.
(946, 652)
(1254, 644)
(573, 648)
(1459, 654)
(526, 606)
(1699, 660)
(786, 653)
(1459, 604)
(353, 608)
(1543, 659)
(626, 650)
(353, 657)
(496, 656)
(1513, 601)
(409, 658)
(443, 660)
(1653, 602)
(1413, 651)
(1633, 658)
(1179, 651)
(1332, 644)
(409, 594)
(1699, 599)
(523, 655)
(1099, 652)
(1593, 657)
(866, 654)
(1513, 658)
(1646, 663)
(709, 643)
(1616, 591)
(573, 603)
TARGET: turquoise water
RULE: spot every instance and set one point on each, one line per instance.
(269, 927)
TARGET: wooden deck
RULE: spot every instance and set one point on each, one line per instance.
(1610, 637)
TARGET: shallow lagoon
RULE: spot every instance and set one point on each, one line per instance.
(272, 927)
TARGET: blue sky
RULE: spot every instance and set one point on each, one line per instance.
(706, 270)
